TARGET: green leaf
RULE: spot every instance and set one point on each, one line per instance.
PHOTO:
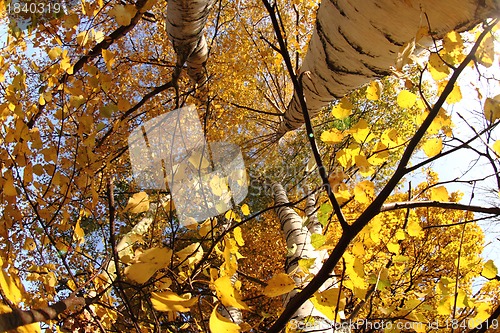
(318, 240)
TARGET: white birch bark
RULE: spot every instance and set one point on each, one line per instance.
(126, 243)
(186, 21)
(355, 42)
(230, 312)
(298, 236)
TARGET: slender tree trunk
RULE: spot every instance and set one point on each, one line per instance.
(357, 41)
(186, 21)
(230, 312)
(298, 237)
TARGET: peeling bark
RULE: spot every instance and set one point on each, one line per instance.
(355, 42)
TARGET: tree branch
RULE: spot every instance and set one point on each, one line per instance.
(439, 204)
(297, 84)
(374, 208)
(17, 318)
(94, 52)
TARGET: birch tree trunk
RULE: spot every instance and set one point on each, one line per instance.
(230, 312)
(186, 21)
(355, 42)
(298, 237)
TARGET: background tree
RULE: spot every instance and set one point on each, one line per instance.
(85, 249)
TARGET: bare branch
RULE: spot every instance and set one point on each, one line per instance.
(439, 204)
(17, 318)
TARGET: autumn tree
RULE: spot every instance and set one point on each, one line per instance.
(342, 111)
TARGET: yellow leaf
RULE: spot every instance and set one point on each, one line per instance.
(486, 52)
(496, 147)
(355, 270)
(462, 299)
(390, 138)
(414, 229)
(358, 249)
(8, 187)
(219, 185)
(76, 101)
(332, 136)
(79, 234)
(453, 48)
(279, 284)
(163, 283)
(82, 38)
(400, 234)
(406, 99)
(170, 301)
(190, 223)
(29, 244)
(123, 14)
(148, 263)
(238, 236)
(138, 203)
(66, 63)
(11, 286)
(227, 294)
(379, 154)
(343, 109)
(393, 247)
(306, 263)
(438, 69)
(198, 160)
(191, 254)
(374, 90)
(492, 109)
(245, 209)
(232, 215)
(326, 302)
(157, 255)
(432, 147)
(439, 193)
(219, 324)
(364, 191)
(489, 271)
(206, 227)
(107, 110)
(70, 21)
(362, 162)
(482, 313)
(54, 53)
(361, 132)
(109, 58)
(444, 307)
(455, 95)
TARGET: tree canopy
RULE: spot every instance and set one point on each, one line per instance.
(350, 118)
